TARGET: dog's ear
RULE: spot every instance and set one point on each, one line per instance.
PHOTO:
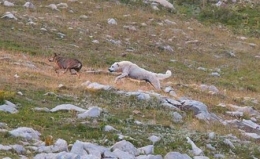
(117, 64)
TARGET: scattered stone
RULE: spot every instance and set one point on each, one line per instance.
(39, 109)
(195, 150)
(177, 118)
(53, 7)
(165, 4)
(92, 112)
(111, 21)
(215, 74)
(67, 107)
(62, 5)
(123, 154)
(26, 133)
(212, 135)
(96, 86)
(83, 17)
(8, 4)
(9, 107)
(146, 150)
(200, 157)
(209, 146)
(252, 135)
(29, 5)
(154, 139)
(9, 15)
(219, 156)
(125, 146)
(229, 143)
(59, 146)
(176, 155)
(199, 109)
(108, 128)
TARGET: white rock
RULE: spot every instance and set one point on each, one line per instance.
(215, 74)
(125, 146)
(167, 21)
(251, 124)
(196, 151)
(83, 17)
(154, 139)
(229, 143)
(67, 107)
(164, 3)
(53, 7)
(96, 86)
(177, 118)
(149, 157)
(9, 107)
(86, 148)
(252, 135)
(176, 155)
(108, 128)
(146, 150)
(95, 41)
(111, 21)
(62, 5)
(200, 157)
(212, 135)
(59, 146)
(236, 113)
(123, 154)
(8, 4)
(209, 146)
(9, 15)
(29, 5)
(92, 112)
(39, 109)
(5, 148)
(26, 133)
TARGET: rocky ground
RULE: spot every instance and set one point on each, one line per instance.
(209, 108)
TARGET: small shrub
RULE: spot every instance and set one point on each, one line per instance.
(6, 95)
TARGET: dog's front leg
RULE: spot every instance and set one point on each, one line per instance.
(121, 76)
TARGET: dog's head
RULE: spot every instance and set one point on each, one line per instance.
(114, 68)
(53, 58)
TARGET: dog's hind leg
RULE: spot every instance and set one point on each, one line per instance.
(155, 83)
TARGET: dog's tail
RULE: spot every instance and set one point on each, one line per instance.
(162, 76)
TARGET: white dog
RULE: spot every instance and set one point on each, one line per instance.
(131, 70)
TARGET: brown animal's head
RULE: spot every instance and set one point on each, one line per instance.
(52, 59)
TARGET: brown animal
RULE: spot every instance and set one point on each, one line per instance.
(66, 63)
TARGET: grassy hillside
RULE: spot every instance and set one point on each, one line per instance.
(142, 35)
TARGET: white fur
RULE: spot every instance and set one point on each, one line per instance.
(131, 70)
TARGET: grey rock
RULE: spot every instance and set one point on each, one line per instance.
(26, 133)
(219, 156)
(149, 157)
(67, 107)
(176, 155)
(125, 146)
(123, 154)
(199, 109)
(177, 118)
(9, 107)
(59, 146)
(92, 112)
(146, 150)
(154, 139)
(86, 148)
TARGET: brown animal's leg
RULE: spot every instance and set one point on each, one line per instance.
(56, 70)
(65, 70)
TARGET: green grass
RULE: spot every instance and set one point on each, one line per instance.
(239, 75)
